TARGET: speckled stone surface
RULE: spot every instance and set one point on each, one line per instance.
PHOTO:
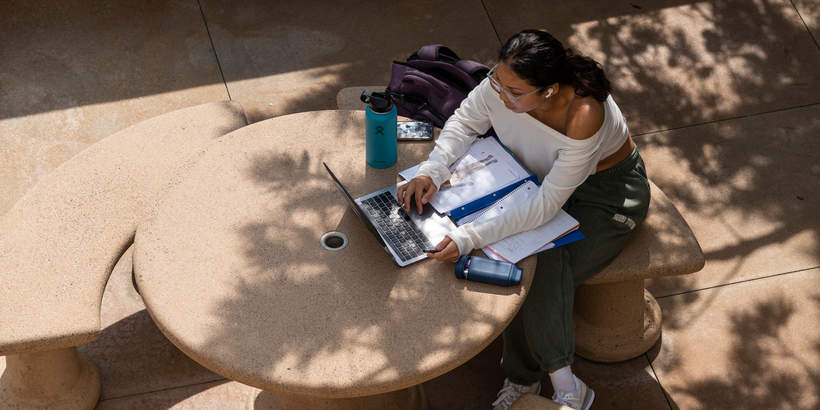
(231, 269)
(215, 395)
(53, 379)
(61, 240)
(131, 354)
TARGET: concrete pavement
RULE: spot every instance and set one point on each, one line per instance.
(721, 96)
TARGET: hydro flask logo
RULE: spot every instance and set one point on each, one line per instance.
(380, 130)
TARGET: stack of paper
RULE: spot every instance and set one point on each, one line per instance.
(519, 246)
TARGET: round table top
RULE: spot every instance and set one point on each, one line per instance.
(231, 269)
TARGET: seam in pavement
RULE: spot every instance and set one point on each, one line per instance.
(165, 389)
(804, 24)
(737, 282)
(660, 385)
(490, 19)
(213, 47)
(726, 119)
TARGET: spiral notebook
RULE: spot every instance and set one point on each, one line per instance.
(560, 230)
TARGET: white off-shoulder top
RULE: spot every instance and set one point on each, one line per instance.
(561, 163)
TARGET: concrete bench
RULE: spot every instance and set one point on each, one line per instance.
(616, 318)
(59, 243)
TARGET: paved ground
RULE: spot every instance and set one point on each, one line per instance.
(721, 96)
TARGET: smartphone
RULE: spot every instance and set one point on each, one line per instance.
(414, 131)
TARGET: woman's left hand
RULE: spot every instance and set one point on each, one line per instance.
(447, 251)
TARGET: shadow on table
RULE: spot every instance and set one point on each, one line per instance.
(384, 310)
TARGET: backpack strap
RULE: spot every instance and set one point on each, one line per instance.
(475, 69)
(436, 52)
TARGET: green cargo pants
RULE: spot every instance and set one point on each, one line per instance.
(609, 206)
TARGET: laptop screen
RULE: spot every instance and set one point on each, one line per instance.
(354, 206)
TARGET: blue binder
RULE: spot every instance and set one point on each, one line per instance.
(573, 236)
(490, 199)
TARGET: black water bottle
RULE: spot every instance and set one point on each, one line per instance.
(480, 269)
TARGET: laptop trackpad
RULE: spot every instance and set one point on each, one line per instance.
(434, 226)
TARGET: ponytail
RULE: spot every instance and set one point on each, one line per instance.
(587, 76)
(541, 60)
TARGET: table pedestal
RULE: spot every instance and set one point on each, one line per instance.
(54, 379)
(412, 398)
(615, 321)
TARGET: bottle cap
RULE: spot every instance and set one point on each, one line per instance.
(379, 102)
(515, 275)
(461, 267)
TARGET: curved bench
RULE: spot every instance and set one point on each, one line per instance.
(616, 319)
(59, 243)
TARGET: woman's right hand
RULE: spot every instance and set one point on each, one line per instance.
(419, 190)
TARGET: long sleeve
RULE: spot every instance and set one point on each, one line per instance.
(570, 169)
(461, 129)
(561, 162)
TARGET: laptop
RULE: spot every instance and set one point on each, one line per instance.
(404, 236)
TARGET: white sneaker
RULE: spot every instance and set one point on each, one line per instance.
(580, 399)
(511, 392)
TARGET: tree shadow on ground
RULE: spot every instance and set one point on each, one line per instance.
(668, 77)
(756, 352)
(744, 185)
(697, 64)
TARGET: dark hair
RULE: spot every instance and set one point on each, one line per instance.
(541, 60)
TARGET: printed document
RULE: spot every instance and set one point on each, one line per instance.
(485, 168)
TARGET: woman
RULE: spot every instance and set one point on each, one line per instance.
(553, 110)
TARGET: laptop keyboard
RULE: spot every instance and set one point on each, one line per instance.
(398, 230)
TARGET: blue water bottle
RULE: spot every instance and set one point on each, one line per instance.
(486, 270)
(380, 128)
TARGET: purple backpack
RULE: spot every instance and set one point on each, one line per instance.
(431, 84)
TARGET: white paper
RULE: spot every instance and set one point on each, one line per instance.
(484, 169)
(519, 246)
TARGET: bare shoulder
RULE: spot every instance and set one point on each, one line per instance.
(585, 118)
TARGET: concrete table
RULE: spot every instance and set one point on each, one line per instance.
(232, 271)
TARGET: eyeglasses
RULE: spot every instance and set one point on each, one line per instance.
(499, 88)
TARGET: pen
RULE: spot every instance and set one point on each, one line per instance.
(429, 250)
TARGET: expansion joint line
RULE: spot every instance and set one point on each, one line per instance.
(487, 12)
(213, 47)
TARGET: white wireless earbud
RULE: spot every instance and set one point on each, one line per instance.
(549, 93)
